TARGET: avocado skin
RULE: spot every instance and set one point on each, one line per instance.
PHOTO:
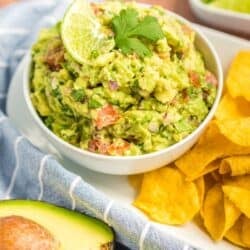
(60, 222)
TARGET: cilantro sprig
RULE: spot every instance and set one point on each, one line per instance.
(132, 34)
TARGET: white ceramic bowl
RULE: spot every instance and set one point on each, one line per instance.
(225, 19)
(125, 165)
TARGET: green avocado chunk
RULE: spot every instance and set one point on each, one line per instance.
(71, 229)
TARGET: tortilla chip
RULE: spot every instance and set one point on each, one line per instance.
(209, 182)
(236, 165)
(245, 236)
(135, 181)
(200, 185)
(232, 108)
(208, 169)
(167, 197)
(238, 78)
(198, 220)
(240, 197)
(236, 130)
(234, 234)
(219, 213)
(211, 146)
(238, 181)
(216, 176)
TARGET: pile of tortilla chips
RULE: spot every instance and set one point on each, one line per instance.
(213, 178)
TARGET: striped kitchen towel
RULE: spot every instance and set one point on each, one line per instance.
(26, 172)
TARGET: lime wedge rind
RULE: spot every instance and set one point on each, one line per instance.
(80, 31)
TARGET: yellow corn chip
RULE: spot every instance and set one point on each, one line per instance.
(238, 181)
(211, 146)
(135, 181)
(236, 165)
(234, 234)
(238, 79)
(209, 182)
(232, 108)
(236, 130)
(208, 169)
(167, 197)
(200, 185)
(245, 236)
(240, 197)
(219, 213)
(216, 176)
(198, 220)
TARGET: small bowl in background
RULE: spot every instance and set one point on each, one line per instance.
(224, 19)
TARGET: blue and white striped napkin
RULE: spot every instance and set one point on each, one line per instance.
(26, 172)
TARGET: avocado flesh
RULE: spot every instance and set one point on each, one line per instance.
(73, 230)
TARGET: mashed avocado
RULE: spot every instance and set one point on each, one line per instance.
(242, 6)
(122, 104)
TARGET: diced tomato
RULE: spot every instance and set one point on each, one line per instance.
(194, 78)
(106, 116)
(95, 8)
(118, 149)
(97, 145)
(210, 78)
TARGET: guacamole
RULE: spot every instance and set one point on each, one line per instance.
(123, 103)
(242, 6)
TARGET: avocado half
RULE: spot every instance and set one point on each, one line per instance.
(73, 230)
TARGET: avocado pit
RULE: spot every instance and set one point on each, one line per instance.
(19, 233)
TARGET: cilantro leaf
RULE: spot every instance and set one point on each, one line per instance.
(132, 35)
(127, 20)
(130, 45)
(148, 28)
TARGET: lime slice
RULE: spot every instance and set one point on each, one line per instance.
(80, 31)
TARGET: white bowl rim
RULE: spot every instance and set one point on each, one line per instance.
(220, 11)
(171, 148)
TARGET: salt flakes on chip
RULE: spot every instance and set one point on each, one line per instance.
(167, 197)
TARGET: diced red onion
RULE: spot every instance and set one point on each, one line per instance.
(113, 85)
